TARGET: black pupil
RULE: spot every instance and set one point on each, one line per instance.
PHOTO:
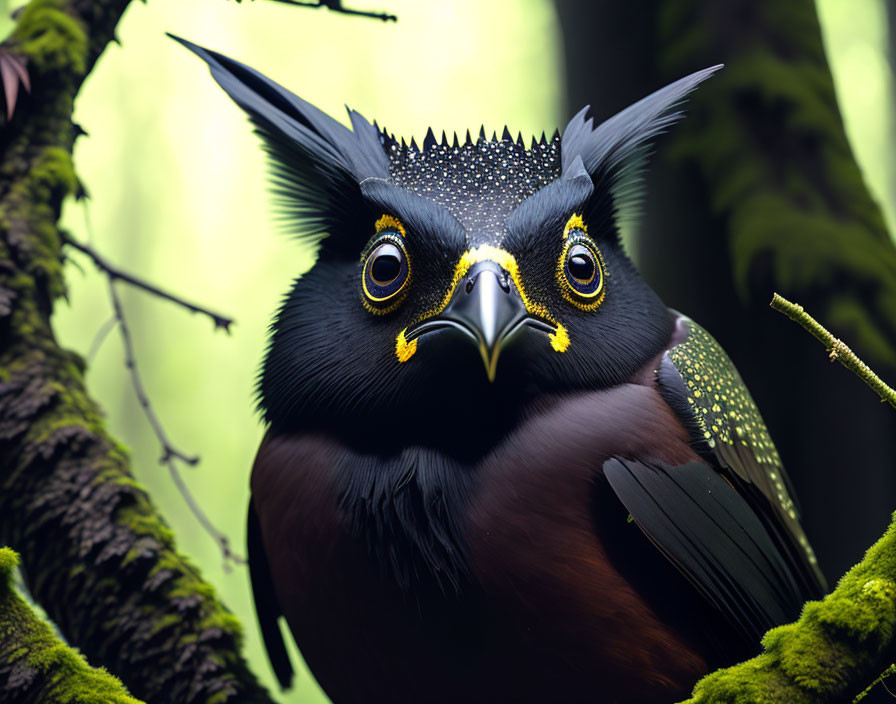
(386, 264)
(581, 263)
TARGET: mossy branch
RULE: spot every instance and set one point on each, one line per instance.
(830, 653)
(36, 666)
(838, 351)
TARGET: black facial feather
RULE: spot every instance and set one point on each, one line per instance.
(547, 210)
(414, 426)
(427, 222)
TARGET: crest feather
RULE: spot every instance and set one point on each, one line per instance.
(615, 152)
(316, 162)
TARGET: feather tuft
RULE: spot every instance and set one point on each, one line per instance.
(615, 152)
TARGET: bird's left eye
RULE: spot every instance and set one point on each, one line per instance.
(580, 271)
(386, 272)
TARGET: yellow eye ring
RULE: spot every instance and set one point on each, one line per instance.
(580, 272)
(385, 272)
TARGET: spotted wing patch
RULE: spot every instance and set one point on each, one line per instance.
(723, 408)
(699, 381)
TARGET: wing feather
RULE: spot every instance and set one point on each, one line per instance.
(707, 530)
(702, 386)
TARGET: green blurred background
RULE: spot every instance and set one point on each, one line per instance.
(178, 196)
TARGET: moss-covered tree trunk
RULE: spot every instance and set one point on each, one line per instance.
(95, 553)
(757, 191)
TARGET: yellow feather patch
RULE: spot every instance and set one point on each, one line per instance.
(404, 350)
(575, 222)
(559, 339)
(387, 222)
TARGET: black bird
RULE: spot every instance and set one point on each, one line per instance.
(600, 515)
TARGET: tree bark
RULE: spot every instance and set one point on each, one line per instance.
(96, 554)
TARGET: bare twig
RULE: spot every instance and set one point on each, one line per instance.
(114, 273)
(168, 450)
(170, 454)
(336, 6)
(838, 351)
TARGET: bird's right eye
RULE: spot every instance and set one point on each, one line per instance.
(386, 272)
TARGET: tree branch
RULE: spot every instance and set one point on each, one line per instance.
(96, 554)
(336, 6)
(170, 454)
(114, 273)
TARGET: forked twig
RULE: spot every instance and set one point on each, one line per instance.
(114, 273)
(170, 454)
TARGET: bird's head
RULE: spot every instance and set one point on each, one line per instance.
(455, 280)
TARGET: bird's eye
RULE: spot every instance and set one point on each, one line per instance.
(581, 272)
(386, 272)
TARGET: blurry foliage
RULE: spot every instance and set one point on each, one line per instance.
(179, 197)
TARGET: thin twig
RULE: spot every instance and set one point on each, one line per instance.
(114, 273)
(170, 454)
(336, 6)
(889, 672)
(837, 349)
(168, 450)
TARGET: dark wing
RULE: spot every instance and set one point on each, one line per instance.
(700, 383)
(729, 525)
(266, 605)
(707, 530)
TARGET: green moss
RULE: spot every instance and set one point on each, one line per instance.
(54, 171)
(50, 38)
(821, 656)
(26, 641)
(188, 581)
(8, 562)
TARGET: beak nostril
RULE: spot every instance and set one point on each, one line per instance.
(469, 288)
(504, 282)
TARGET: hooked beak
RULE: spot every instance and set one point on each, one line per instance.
(487, 308)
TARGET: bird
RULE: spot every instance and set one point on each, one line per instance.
(496, 466)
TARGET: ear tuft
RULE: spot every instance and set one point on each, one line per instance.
(615, 152)
(316, 162)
